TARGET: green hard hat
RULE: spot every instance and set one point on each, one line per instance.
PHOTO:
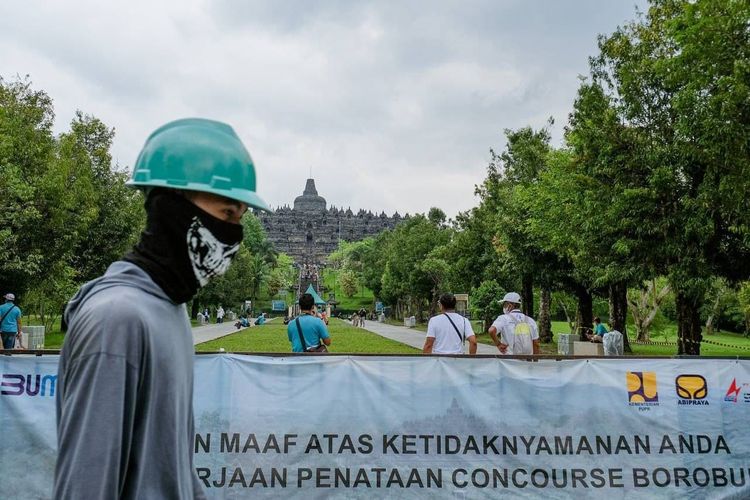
(196, 154)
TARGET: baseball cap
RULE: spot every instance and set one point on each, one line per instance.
(10, 296)
(512, 297)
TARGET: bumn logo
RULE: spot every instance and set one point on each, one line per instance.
(642, 389)
(15, 384)
(691, 389)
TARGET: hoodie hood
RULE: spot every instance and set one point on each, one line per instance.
(119, 273)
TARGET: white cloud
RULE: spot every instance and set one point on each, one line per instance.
(394, 105)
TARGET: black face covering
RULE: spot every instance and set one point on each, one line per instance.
(183, 247)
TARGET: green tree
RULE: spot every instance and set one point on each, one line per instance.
(522, 224)
(119, 209)
(677, 83)
(258, 272)
(485, 302)
(743, 296)
(405, 283)
(348, 282)
(645, 303)
(65, 213)
(283, 276)
(256, 240)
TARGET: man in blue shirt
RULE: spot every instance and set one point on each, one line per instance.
(11, 321)
(313, 329)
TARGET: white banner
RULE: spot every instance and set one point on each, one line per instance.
(423, 427)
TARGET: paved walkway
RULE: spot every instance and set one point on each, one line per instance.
(213, 331)
(415, 338)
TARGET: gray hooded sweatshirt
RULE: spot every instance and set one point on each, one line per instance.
(125, 398)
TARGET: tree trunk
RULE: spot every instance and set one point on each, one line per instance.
(638, 308)
(713, 314)
(527, 295)
(618, 311)
(487, 324)
(646, 306)
(688, 325)
(545, 324)
(584, 313)
(420, 312)
(571, 323)
(434, 307)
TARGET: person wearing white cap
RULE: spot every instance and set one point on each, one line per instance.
(519, 334)
(10, 321)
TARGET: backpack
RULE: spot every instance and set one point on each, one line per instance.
(522, 343)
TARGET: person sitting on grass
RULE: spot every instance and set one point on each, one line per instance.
(261, 319)
(599, 331)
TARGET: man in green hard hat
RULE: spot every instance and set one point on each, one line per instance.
(125, 380)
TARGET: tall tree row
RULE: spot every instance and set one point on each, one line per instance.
(65, 213)
(650, 184)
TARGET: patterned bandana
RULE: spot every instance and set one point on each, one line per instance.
(209, 256)
(183, 247)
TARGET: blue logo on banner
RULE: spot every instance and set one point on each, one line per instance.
(15, 384)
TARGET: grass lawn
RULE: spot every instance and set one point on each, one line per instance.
(272, 337)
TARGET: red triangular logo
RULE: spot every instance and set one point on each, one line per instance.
(733, 392)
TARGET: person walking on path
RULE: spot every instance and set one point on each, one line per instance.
(220, 315)
(448, 331)
(518, 333)
(10, 321)
(125, 381)
(307, 332)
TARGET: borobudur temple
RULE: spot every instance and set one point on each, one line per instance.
(309, 231)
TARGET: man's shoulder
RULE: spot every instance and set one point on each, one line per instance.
(307, 319)
(314, 320)
(117, 304)
(10, 308)
(438, 319)
(503, 318)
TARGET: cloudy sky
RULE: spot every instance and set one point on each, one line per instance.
(393, 104)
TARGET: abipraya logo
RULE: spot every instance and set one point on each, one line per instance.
(733, 393)
(691, 390)
(642, 389)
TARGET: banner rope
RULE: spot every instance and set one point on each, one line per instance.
(690, 341)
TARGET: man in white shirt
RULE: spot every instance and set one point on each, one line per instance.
(519, 334)
(447, 332)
